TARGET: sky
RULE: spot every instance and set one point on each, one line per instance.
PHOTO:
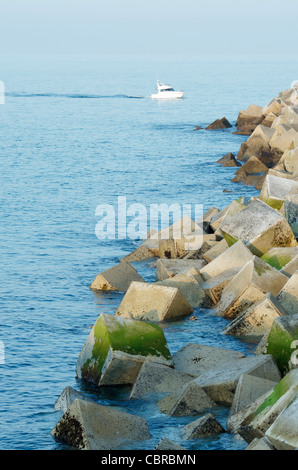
(148, 26)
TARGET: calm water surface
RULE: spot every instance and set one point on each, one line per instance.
(77, 132)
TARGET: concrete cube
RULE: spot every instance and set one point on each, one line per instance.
(150, 302)
(117, 278)
(84, 426)
(202, 427)
(111, 335)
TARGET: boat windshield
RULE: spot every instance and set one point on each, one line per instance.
(167, 89)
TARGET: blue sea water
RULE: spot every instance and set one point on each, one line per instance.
(76, 132)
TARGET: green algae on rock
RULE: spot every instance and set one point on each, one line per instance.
(137, 340)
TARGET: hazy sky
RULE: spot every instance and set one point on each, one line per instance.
(148, 26)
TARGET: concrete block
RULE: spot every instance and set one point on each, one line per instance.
(168, 268)
(196, 359)
(84, 426)
(215, 251)
(280, 257)
(215, 285)
(154, 379)
(188, 400)
(260, 227)
(220, 383)
(283, 433)
(202, 427)
(67, 397)
(150, 302)
(117, 278)
(275, 190)
(259, 444)
(167, 444)
(110, 335)
(234, 257)
(283, 341)
(288, 296)
(257, 319)
(291, 212)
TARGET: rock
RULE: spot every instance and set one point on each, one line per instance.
(67, 397)
(260, 227)
(291, 212)
(229, 160)
(248, 390)
(222, 123)
(249, 285)
(196, 359)
(167, 444)
(234, 257)
(259, 140)
(202, 427)
(280, 257)
(150, 302)
(288, 296)
(215, 251)
(156, 379)
(275, 190)
(263, 416)
(117, 278)
(220, 383)
(283, 433)
(257, 319)
(84, 426)
(111, 335)
(166, 268)
(189, 400)
(250, 117)
(259, 444)
(251, 172)
(282, 342)
(215, 285)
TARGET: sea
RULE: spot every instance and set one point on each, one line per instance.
(77, 132)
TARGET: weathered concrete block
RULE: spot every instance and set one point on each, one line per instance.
(280, 257)
(274, 106)
(283, 341)
(156, 379)
(167, 444)
(205, 219)
(139, 254)
(229, 160)
(189, 288)
(234, 257)
(117, 278)
(202, 427)
(250, 117)
(110, 335)
(220, 383)
(222, 123)
(280, 143)
(262, 417)
(275, 190)
(167, 268)
(248, 390)
(84, 425)
(290, 159)
(150, 302)
(196, 359)
(248, 286)
(288, 296)
(67, 397)
(225, 214)
(283, 433)
(290, 268)
(257, 319)
(215, 285)
(215, 251)
(260, 227)
(188, 400)
(291, 212)
(260, 444)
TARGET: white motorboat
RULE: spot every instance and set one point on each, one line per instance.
(166, 92)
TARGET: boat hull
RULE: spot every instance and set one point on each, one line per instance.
(168, 95)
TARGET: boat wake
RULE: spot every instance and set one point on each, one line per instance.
(71, 96)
